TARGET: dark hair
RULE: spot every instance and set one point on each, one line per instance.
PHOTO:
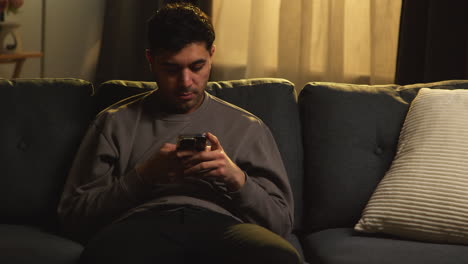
(176, 25)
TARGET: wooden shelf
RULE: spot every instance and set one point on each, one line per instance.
(18, 59)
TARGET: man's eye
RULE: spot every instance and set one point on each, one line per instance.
(197, 67)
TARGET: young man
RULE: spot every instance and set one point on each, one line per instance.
(142, 200)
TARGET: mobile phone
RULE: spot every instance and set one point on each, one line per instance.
(195, 142)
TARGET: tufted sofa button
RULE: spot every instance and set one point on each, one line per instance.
(378, 151)
(22, 145)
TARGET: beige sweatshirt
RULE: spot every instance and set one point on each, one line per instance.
(103, 185)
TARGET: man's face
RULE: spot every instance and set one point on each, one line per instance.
(182, 76)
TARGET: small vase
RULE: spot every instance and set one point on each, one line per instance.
(10, 40)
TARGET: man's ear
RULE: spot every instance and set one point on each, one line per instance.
(213, 49)
(149, 58)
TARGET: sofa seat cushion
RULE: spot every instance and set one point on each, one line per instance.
(296, 243)
(25, 244)
(343, 245)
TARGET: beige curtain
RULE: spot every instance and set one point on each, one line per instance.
(352, 41)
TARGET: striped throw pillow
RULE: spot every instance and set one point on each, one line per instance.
(424, 194)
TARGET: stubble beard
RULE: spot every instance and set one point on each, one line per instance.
(172, 106)
(192, 104)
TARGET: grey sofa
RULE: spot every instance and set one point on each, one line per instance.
(336, 140)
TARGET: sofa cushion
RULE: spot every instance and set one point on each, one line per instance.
(23, 244)
(274, 101)
(345, 246)
(43, 123)
(350, 133)
(424, 193)
(110, 92)
(271, 99)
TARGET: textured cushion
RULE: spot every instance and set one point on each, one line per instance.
(22, 244)
(424, 193)
(350, 136)
(271, 99)
(344, 246)
(43, 121)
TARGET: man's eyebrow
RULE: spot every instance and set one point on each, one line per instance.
(170, 64)
(198, 61)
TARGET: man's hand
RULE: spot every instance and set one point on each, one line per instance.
(163, 167)
(213, 162)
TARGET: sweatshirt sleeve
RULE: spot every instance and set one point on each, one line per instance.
(93, 196)
(266, 197)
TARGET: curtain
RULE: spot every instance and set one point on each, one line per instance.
(122, 54)
(353, 41)
(433, 42)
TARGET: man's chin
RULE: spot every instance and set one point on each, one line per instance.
(181, 105)
(186, 107)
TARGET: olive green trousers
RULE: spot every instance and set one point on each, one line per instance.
(187, 235)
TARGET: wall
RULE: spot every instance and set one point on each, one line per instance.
(30, 18)
(71, 38)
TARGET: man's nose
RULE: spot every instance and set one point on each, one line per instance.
(186, 78)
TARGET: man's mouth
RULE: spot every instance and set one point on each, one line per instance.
(185, 96)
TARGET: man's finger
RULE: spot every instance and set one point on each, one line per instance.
(202, 168)
(201, 157)
(183, 154)
(215, 145)
(168, 147)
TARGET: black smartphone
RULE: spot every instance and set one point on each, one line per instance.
(195, 142)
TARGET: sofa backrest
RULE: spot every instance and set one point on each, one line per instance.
(273, 100)
(350, 134)
(43, 123)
